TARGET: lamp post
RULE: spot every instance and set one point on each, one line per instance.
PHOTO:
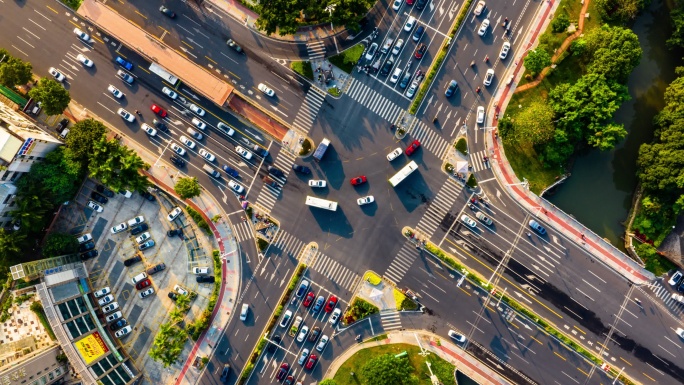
(330, 8)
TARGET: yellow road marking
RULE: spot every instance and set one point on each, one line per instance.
(145, 17)
(183, 41)
(579, 330)
(512, 324)
(50, 8)
(463, 290)
(98, 39)
(235, 76)
(560, 356)
(162, 28)
(652, 379)
(144, 70)
(540, 343)
(625, 361)
(210, 59)
(583, 372)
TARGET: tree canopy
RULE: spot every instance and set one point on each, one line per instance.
(612, 52)
(287, 16)
(536, 60)
(117, 166)
(677, 19)
(59, 244)
(52, 95)
(387, 369)
(188, 187)
(81, 138)
(620, 10)
(534, 124)
(56, 177)
(14, 71)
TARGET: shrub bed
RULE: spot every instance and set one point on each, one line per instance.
(37, 308)
(303, 68)
(197, 217)
(462, 146)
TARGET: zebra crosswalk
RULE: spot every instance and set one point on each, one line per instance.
(269, 194)
(661, 292)
(478, 162)
(402, 262)
(242, 231)
(429, 139)
(390, 320)
(309, 110)
(287, 243)
(439, 207)
(316, 50)
(334, 271)
(373, 101)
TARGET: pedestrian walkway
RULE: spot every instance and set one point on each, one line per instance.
(287, 243)
(269, 195)
(372, 100)
(402, 262)
(334, 271)
(439, 207)
(429, 139)
(309, 110)
(662, 293)
(478, 162)
(242, 231)
(316, 50)
(391, 320)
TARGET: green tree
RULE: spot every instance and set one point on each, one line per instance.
(188, 187)
(59, 244)
(168, 344)
(620, 10)
(57, 177)
(612, 52)
(534, 124)
(287, 16)
(387, 369)
(536, 60)
(677, 19)
(30, 212)
(81, 137)
(117, 166)
(54, 97)
(10, 245)
(15, 72)
(560, 23)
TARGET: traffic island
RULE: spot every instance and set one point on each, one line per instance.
(382, 294)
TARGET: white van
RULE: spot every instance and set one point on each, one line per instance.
(211, 171)
(139, 277)
(200, 270)
(387, 45)
(244, 312)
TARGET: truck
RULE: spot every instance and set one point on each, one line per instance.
(320, 150)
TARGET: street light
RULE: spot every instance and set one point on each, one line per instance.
(330, 8)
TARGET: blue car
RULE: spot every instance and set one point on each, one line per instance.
(124, 63)
(230, 171)
(537, 227)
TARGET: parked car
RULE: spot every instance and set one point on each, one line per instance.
(111, 307)
(143, 284)
(148, 196)
(105, 300)
(303, 287)
(89, 254)
(676, 277)
(95, 206)
(83, 247)
(84, 238)
(311, 362)
(317, 183)
(315, 333)
(156, 268)
(282, 372)
(302, 356)
(335, 316)
(365, 200)
(322, 343)
(119, 228)
(371, 51)
(173, 214)
(132, 260)
(302, 333)
(102, 292)
(460, 338)
(146, 293)
(126, 330)
(309, 299)
(468, 221)
(143, 237)
(320, 301)
(420, 51)
(483, 218)
(118, 324)
(174, 232)
(286, 319)
(330, 304)
(139, 229)
(148, 244)
(205, 279)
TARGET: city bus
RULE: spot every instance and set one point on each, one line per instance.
(403, 173)
(321, 203)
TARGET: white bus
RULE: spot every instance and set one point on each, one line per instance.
(321, 203)
(163, 73)
(403, 173)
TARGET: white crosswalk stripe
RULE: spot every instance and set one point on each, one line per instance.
(242, 231)
(662, 293)
(401, 263)
(429, 139)
(478, 162)
(309, 110)
(439, 207)
(316, 50)
(391, 320)
(288, 243)
(334, 271)
(373, 101)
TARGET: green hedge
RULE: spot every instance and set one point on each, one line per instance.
(37, 308)
(197, 217)
(303, 68)
(462, 146)
(196, 328)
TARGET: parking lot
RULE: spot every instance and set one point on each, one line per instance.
(177, 248)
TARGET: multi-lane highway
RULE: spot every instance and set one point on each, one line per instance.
(552, 274)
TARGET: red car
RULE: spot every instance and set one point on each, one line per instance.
(358, 180)
(409, 2)
(330, 305)
(284, 368)
(311, 362)
(158, 110)
(412, 147)
(309, 298)
(420, 50)
(143, 284)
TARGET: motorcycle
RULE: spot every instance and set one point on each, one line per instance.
(472, 63)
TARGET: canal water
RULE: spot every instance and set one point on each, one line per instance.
(599, 192)
(462, 379)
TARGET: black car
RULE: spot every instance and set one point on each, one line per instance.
(225, 373)
(148, 196)
(421, 4)
(174, 232)
(118, 324)
(205, 279)
(156, 268)
(275, 172)
(313, 336)
(232, 44)
(62, 125)
(273, 346)
(387, 67)
(173, 295)
(301, 169)
(132, 260)
(177, 161)
(160, 125)
(88, 255)
(98, 198)
(83, 247)
(451, 88)
(167, 12)
(680, 288)
(104, 191)
(262, 152)
(139, 229)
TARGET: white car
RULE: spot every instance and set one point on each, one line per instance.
(335, 316)
(412, 89)
(113, 316)
(397, 46)
(105, 300)
(146, 293)
(365, 200)
(207, 155)
(200, 270)
(115, 91)
(83, 59)
(83, 36)
(468, 221)
(371, 51)
(317, 183)
(111, 307)
(178, 289)
(479, 8)
(303, 356)
(483, 27)
(125, 115)
(286, 319)
(196, 109)
(460, 338)
(199, 124)
(56, 74)
(102, 292)
(489, 76)
(410, 23)
(395, 75)
(322, 343)
(170, 93)
(95, 206)
(84, 238)
(125, 330)
(177, 149)
(504, 50)
(143, 237)
(244, 153)
(235, 187)
(174, 214)
(263, 88)
(680, 332)
(149, 129)
(119, 228)
(480, 114)
(302, 333)
(136, 221)
(397, 4)
(184, 139)
(394, 154)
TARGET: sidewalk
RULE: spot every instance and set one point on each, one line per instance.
(540, 208)
(444, 349)
(164, 178)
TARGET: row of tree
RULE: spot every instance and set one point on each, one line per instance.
(287, 16)
(579, 114)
